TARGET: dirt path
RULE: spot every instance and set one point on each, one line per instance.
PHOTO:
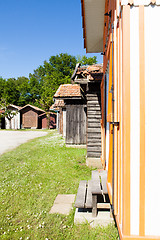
(11, 139)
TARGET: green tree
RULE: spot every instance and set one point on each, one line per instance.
(64, 64)
(83, 60)
(35, 90)
(2, 85)
(50, 85)
(23, 88)
(10, 93)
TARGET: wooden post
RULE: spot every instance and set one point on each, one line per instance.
(94, 202)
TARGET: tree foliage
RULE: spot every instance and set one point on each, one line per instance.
(40, 87)
(83, 60)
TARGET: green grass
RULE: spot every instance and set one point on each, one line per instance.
(31, 176)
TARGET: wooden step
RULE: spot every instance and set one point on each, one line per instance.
(88, 203)
(81, 195)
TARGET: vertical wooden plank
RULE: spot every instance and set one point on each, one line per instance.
(126, 119)
(94, 202)
(142, 122)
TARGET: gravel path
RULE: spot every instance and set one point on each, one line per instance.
(11, 139)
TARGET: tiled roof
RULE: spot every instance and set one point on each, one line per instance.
(90, 72)
(59, 103)
(68, 90)
(36, 108)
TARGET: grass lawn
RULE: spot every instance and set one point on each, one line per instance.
(31, 177)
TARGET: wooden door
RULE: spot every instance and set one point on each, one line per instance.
(75, 124)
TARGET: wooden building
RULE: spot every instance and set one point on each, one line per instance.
(127, 33)
(44, 120)
(89, 78)
(15, 122)
(74, 113)
(30, 116)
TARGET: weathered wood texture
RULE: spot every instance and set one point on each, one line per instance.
(103, 176)
(89, 193)
(60, 120)
(81, 194)
(93, 124)
(30, 117)
(75, 124)
(88, 203)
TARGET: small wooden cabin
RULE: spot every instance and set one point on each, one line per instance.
(16, 120)
(30, 116)
(44, 120)
(89, 78)
(74, 113)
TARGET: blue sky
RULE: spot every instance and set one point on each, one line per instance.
(33, 30)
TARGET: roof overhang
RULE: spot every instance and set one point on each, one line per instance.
(93, 24)
(140, 2)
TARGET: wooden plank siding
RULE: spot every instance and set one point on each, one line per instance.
(75, 124)
(93, 124)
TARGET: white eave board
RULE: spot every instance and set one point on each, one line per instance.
(94, 25)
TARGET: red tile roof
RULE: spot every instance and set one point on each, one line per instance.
(58, 103)
(91, 72)
(68, 90)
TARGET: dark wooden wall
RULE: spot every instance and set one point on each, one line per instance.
(93, 121)
(75, 124)
(30, 117)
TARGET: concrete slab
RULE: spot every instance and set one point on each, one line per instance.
(61, 208)
(94, 162)
(85, 215)
(63, 204)
(64, 198)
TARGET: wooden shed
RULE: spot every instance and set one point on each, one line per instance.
(15, 122)
(127, 33)
(44, 120)
(30, 116)
(89, 78)
(74, 113)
